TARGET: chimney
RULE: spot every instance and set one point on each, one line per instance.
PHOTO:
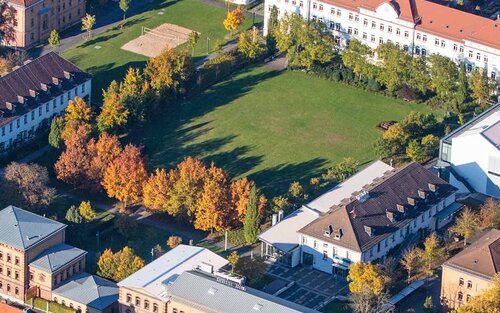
(275, 219)
(432, 187)
(422, 194)
(401, 208)
(411, 201)
(368, 230)
(281, 214)
(391, 216)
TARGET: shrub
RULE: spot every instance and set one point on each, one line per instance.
(236, 237)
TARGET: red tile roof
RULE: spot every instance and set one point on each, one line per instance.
(436, 19)
(4, 308)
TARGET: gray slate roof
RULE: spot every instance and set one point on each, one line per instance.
(205, 293)
(23, 229)
(89, 290)
(56, 257)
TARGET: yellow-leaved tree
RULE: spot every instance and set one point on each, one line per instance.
(234, 19)
(77, 113)
(156, 190)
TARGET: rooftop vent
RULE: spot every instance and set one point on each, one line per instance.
(257, 307)
(447, 26)
(328, 231)
(432, 187)
(363, 196)
(430, 21)
(212, 291)
(337, 234)
(369, 230)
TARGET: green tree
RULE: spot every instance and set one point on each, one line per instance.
(462, 88)
(55, 135)
(252, 218)
(481, 87)
(305, 43)
(357, 58)
(124, 6)
(86, 211)
(233, 259)
(444, 75)
(416, 151)
(431, 145)
(419, 74)
(466, 225)
(193, 40)
(394, 66)
(73, 215)
(428, 305)
(271, 26)
(251, 44)
(433, 252)
(54, 39)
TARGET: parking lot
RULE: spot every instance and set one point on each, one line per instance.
(311, 287)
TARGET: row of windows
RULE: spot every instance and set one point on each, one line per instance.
(17, 261)
(8, 272)
(63, 302)
(9, 288)
(31, 115)
(460, 297)
(461, 283)
(146, 304)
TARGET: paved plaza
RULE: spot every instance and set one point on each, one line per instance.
(311, 289)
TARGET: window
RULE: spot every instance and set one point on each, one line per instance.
(32, 115)
(424, 38)
(355, 31)
(389, 29)
(460, 296)
(443, 44)
(337, 26)
(356, 18)
(461, 282)
(146, 304)
(436, 42)
(407, 34)
(47, 108)
(321, 7)
(469, 284)
(347, 255)
(470, 54)
(339, 13)
(419, 36)
(25, 117)
(9, 257)
(31, 275)
(349, 30)
(40, 111)
(365, 35)
(16, 275)
(137, 301)
(174, 310)
(332, 25)
(332, 11)
(478, 56)
(16, 291)
(351, 16)
(485, 59)
(372, 38)
(155, 308)
(325, 255)
(54, 105)
(382, 27)
(461, 49)
(301, 4)
(304, 240)
(422, 218)
(455, 47)
(381, 40)
(129, 298)
(374, 25)
(365, 22)
(41, 277)
(315, 244)
(468, 298)
(315, 5)
(398, 31)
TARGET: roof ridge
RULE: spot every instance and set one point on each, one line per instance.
(17, 223)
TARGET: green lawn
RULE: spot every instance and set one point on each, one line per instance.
(110, 62)
(274, 127)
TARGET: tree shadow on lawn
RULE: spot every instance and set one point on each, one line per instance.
(275, 180)
(98, 39)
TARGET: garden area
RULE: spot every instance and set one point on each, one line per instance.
(275, 127)
(103, 57)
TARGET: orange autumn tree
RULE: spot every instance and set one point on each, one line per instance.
(73, 163)
(213, 207)
(240, 197)
(102, 153)
(168, 70)
(77, 113)
(234, 19)
(124, 177)
(156, 190)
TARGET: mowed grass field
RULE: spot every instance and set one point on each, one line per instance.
(111, 62)
(274, 127)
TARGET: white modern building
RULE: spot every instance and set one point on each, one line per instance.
(368, 215)
(470, 155)
(32, 94)
(420, 27)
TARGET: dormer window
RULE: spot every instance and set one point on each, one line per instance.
(401, 208)
(328, 231)
(411, 201)
(422, 194)
(432, 187)
(369, 230)
(391, 216)
(338, 234)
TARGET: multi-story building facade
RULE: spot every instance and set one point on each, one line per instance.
(35, 19)
(387, 212)
(471, 271)
(34, 258)
(420, 27)
(34, 93)
(469, 157)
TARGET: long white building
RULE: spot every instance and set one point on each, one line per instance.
(420, 27)
(36, 92)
